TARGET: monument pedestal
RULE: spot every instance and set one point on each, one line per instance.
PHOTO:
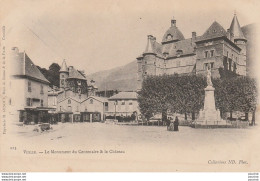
(209, 117)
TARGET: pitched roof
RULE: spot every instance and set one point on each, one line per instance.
(185, 46)
(100, 99)
(72, 98)
(124, 96)
(27, 68)
(75, 74)
(235, 29)
(214, 31)
(174, 32)
(64, 67)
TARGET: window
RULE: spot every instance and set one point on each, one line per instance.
(130, 103)
(41, 89)
(41, 103)
(211, 65)
(29, 86)
(62, 76)
(28, 102)
(205, 66)
(106, 106)
(169, 37)
(69, 101)
(227, 54)
(91, 101)
(145, 62)
(145, 73)
(232, 56)
(211, 53)
(123, 103)
(206, 54)
(79, 90)
(234, 67)
(179, 52)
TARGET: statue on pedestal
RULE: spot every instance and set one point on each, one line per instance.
(209, 83)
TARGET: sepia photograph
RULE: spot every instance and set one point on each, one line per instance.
(129, 86)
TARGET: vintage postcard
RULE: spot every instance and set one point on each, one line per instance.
(129, 86)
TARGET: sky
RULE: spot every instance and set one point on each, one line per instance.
(99, 35)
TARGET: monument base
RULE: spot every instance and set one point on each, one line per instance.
(210, 117)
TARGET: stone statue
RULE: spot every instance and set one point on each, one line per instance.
(209, 83)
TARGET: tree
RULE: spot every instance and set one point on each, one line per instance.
(52, 74)
(246, 95)
(183, 94)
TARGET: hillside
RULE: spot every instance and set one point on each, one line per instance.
(124, 78)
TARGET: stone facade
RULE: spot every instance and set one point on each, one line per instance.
(175, 54)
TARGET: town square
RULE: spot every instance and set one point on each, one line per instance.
(146, 88)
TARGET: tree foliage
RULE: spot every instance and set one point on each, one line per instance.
(52, 74)
(185, 94)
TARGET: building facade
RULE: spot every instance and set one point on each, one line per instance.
(29, 95)
(123, 104)
(75, 100)
(216, 48)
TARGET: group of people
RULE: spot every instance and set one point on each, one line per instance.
(175, 124)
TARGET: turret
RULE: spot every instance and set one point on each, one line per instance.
(149, 58)
(237, 36)
(64, 74)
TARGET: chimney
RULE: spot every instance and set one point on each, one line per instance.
(15, 50)
(92, 82)
(153, 39)
(70, 68)
(194, 35)
(149, 46)
(173, 22)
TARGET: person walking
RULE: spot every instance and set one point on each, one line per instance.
(176, 124)
(168, 122)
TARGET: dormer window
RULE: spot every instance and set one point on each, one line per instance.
(169, 37)
(179, 52)
(165, 54)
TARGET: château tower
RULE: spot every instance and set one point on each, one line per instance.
(237, 36)
(64, 74)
